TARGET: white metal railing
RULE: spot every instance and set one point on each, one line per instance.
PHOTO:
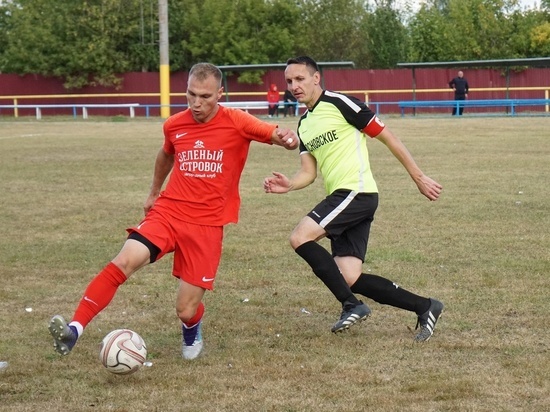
(84, 107)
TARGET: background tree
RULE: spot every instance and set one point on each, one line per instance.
(540, 39)
(142, 43)
(428, 36)
(226, 32)
(332, 30)
(80, 42)
(91, 42)
(523, 26)
(386, 36)
(473, 30)
(478, 29)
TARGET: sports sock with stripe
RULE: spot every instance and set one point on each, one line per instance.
(196, 317)
(99, 294)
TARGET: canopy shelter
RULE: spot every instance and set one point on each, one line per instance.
(506, 63)
(268, 66)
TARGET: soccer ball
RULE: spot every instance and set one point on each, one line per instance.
(122, 352)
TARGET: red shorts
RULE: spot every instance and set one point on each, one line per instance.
(197, 248)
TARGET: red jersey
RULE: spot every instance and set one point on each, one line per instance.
(273, 97)
(208, 162)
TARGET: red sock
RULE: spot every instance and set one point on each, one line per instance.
(99, 293)
(197, 317)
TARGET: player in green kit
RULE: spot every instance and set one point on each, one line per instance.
(332, 134)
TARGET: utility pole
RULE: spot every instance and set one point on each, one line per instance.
(164, 60)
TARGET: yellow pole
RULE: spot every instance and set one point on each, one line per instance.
(164, 60)
(165, 91)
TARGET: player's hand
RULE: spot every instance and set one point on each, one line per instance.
(288, 138)
(429, 187)
(149, 202)
(278, 183)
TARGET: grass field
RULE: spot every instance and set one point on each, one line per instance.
(69, 189)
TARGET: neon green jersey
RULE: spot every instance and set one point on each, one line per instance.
(333, 132)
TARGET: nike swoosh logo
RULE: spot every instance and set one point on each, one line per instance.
(87, 299)
(206, 280)
(180, 135)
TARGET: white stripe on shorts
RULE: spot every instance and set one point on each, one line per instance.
(339, 209)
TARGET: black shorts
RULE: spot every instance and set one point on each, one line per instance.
(346, 217)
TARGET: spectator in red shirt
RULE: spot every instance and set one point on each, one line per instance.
(273, 100)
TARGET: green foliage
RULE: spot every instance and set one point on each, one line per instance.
(85, 43)
(483, 25)
(91, 42)
(429, 39)
(525, 42)
(472, 30)
(226, 32)
(540, 39)
(386, 37)
(329, 30)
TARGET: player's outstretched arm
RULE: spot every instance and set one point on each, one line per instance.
(427, 186)
(279, 183)
(286, 138)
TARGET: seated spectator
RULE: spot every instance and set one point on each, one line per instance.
(291, 104)
(273, 100)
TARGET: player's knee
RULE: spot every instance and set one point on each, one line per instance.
(123, 264)
(186, 310)
(127, 264)
(295, 241)
(299, 237)
(186, 313)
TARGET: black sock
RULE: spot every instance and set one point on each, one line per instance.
(384, 291)
(326, 269)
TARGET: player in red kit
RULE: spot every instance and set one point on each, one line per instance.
(205, 149)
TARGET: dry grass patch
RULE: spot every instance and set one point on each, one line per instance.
(69, 189)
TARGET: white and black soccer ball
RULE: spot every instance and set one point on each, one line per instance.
(122, 351)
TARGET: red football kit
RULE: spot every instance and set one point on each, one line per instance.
(202, 193)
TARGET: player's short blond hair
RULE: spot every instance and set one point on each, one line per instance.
(202, 71)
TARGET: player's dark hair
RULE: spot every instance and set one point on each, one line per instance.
(201, 71)
(306, 60)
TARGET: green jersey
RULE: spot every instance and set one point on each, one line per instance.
(333, 132)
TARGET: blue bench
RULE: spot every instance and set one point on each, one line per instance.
(509, 103)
